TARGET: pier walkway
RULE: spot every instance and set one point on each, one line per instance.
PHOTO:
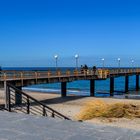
(15, 126)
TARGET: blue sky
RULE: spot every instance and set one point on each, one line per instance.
(33, 31)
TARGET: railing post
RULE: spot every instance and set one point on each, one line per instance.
(68, 72)
(36, 77)
(49, 73)
(99, 73)
(18, 97)
(104, 74)
(7, 97)
(28, 105)
(21, 76)
(53, 115)
(6, 94)
(44, 111)
(75, 72)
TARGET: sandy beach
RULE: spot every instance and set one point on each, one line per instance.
(72, 105)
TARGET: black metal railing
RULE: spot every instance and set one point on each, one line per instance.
(2, 108)
(28, 104)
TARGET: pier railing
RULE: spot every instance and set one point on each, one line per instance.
(100, 73)
(28, 105)
(123, 71)
(19, 75)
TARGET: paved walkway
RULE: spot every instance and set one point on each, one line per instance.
(15, 126)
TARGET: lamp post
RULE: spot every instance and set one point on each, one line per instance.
(76, 59)
(132, 62)
(56, 59)
(103, 64)
(119, 63)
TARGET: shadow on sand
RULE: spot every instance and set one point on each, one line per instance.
(58, 100)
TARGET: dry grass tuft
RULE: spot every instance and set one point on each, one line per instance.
(99, 108)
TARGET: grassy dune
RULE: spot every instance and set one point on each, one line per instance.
(99, 108)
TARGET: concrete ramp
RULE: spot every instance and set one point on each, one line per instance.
(14, 126)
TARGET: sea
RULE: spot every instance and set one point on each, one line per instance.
(81, 87)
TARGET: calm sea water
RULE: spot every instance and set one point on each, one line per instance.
(82, 87)
(79, 87)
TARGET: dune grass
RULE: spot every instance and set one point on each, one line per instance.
(99, 108)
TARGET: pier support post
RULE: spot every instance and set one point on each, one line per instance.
(63, 89)
(92, 87)
(18, 97)
(137, 82)
(126, 83)
(111, 86)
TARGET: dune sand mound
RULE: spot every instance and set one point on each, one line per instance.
(99, 108)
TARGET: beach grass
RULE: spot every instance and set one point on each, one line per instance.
(98, 108)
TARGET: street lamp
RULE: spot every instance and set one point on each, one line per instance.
(103, 60)
(56, 59)
(119, 62)
(76, 58)
(132, 62)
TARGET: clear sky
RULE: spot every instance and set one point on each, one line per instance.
(33, 31)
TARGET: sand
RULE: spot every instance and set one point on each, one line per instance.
(71, 106)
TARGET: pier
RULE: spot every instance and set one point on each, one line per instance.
(24, 78)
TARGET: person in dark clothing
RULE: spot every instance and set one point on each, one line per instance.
(82, 69)
(85, 68)
(94, 69)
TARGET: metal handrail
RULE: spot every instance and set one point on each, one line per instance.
(47, 109)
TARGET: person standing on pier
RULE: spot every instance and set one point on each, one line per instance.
(94, 70)
(85, 69)
(82, 69)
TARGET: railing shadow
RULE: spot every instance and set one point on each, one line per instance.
(59, 100)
